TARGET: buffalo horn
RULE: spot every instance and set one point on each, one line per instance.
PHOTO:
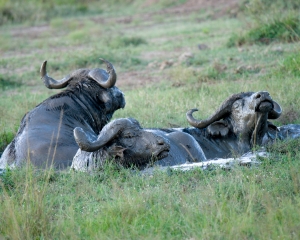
(108, 133)
(104, 80)
(50, 82)
(275, 112)
(219, 114)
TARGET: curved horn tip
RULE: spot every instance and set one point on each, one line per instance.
(81, 138)
(78, 130)
(104, 61)
(108, 64)
(43, 70)
(192, 110)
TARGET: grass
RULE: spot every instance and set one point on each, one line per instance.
(280, 30)
(36, 11)
(291, 65)
(256, 203)
(273, 21)
(239, 204)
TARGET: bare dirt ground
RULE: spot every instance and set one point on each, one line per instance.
(140, 78)
(134, 79)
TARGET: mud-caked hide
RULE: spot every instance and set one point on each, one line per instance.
(124, 142)
(237, 126)
(45, 137)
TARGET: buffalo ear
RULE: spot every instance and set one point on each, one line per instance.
(218, 128)
(271, 126)
(116, 151)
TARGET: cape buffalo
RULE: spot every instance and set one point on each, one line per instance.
(125, 142)
(238, 125)
(45, 136)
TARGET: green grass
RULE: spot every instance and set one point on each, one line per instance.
(291, 64)
(259, 203)
(272, 21)
(255, 203)
(35, 11)
(278, 30)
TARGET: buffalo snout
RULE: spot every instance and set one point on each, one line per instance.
(161, 147)
(264, 102)
(265, 107)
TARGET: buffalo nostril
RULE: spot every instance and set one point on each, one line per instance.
(160, 141)
(258, 95)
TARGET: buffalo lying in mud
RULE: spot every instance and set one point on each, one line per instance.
(126, 143)
(45, 136)
(240, 124)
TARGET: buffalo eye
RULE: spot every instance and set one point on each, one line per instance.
(236, 104)
(128, 136)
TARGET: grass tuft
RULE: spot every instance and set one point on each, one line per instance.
(7, 182)
(289, 148)
(291, 65)
(121, 42)
(285, 30)
(5, 139)
(34, 11)
(8, 82)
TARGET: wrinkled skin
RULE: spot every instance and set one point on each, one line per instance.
(45, 136)
(184, 148)
(235, 128)
(126, 143)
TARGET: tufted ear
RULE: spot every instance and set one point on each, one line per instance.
(116, 151)
(218, 128)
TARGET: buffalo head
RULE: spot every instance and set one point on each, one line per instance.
(103, 82)
(124, 140)
(245, 115)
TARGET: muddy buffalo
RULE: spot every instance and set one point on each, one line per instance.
(126, 143)
(237, 126)
(45, 136)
